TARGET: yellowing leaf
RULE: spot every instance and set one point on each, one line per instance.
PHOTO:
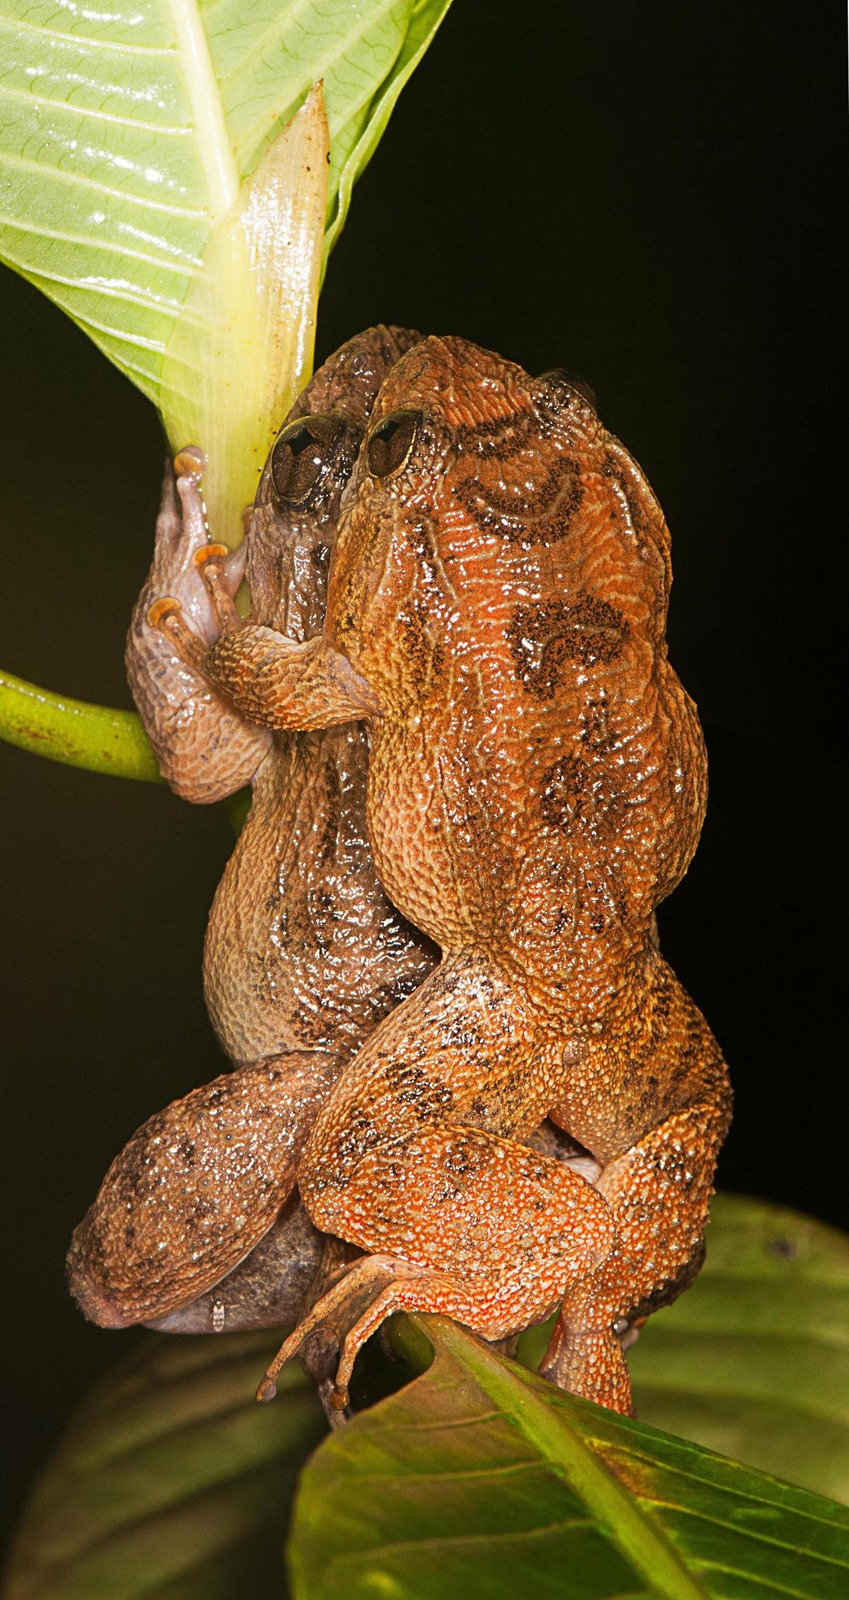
(242, 345)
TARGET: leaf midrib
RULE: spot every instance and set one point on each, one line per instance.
(212, 140)
(646, 1549)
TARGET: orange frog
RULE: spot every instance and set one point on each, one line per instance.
(536, 785)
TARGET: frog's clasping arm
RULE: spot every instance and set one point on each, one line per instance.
(205, 748)
(281, 684)
(270, 679)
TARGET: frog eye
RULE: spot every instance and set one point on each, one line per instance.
(559, 375)
(302, 455)
(391, 441)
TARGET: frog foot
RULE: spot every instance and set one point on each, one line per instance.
(331, 1335)
(221, 571)
(187, 554)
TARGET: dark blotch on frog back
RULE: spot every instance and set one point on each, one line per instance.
(545, 640)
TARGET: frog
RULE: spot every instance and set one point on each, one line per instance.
(198, 1226)
(496, 614)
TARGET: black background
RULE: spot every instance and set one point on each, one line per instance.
(648, 195)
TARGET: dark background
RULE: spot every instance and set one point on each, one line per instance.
(648, 195)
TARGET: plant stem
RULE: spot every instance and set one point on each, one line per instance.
(71, 731)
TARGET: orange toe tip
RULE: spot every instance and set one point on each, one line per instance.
(210, 552)
(162, 609)
(190, 462)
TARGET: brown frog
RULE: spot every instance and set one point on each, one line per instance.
(496, 612)
(197, 1225)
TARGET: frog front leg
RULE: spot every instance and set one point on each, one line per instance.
(206, 748)
(275, 682)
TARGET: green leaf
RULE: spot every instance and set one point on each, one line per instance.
(75, 732)
(754, 1359)
(166, 175)
(164, 178)
(126, 132)
(479, 1479)
(172, 1483)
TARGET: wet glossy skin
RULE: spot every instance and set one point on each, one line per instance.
(496, 613)
(304, 953)
(497, 609)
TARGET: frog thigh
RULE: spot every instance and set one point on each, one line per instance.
(412, 1156)
(269, 1289)
(195, 1189)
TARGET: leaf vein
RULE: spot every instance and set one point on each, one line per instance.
(94, 112)
(774, 1586)
(82, 41)
(740, 1493)
(41, 168)
(441, 1541)
(457, 1474)
(162, 264)
(759, 1534)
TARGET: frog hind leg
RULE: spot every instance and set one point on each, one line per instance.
(458, 1219)
(270, 1288)
(195, 1189)
(521, 1229)
(650, 1097)
(659, 1193)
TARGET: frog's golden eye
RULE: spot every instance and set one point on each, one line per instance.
(301, 456)
(569, 381)
(391, 441)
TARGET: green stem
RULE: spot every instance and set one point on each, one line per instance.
(74, 732)
(408, 1340)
